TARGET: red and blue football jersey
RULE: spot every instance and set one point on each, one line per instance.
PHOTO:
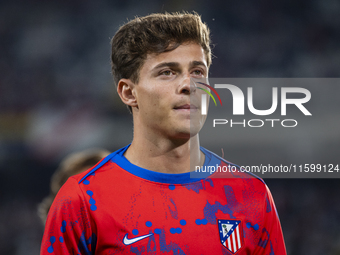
(119, 208)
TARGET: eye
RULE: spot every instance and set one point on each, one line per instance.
(198, 72)
(166, 73)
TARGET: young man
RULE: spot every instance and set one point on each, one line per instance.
(141, 199)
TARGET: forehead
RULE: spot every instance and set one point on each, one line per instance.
(183, 55)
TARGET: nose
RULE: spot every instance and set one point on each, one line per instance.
(187, 86)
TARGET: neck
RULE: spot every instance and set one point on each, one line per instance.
(165, 155)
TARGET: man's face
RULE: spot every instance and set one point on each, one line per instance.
(168, 101)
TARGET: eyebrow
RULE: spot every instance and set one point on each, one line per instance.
(166, 64)
(176, 64)
(197, 63)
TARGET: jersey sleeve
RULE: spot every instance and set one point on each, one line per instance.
(69, 229)
(271, 241)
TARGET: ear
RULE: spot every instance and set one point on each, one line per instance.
(126, 92)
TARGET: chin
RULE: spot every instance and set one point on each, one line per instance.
(187, 133)
(196, 126)
(186, 129)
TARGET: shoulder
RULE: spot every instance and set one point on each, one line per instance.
(101, 167)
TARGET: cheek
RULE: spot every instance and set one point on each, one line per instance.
(158, 98)
(145, 97)
(151, 102)
(153, 98)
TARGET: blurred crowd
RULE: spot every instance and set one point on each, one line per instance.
(57, 96)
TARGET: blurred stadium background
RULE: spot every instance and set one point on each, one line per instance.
(57, 96)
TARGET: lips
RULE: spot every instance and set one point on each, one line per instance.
(186, 107)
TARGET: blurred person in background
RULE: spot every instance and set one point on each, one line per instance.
(72, 164)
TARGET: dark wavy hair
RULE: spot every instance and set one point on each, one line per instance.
(155, 33)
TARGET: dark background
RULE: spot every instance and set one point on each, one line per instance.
(57, 96)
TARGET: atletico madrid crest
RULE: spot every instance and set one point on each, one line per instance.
(231, 234)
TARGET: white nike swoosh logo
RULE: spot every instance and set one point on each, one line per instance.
(128, 241)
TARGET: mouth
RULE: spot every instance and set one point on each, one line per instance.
(186, 107)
